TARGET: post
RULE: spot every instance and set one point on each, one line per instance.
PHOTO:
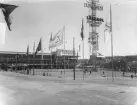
(74, 55)
(41, 55)
(33, 58)
(28, 61)
(68, 62)
(95, 63)
(83, 58)
(51, 58)
(64, 49)
(111, 41)
(56, 57)
(33, 63)
(16, 61)
(42, 59)
(7, 64)
(77, 56)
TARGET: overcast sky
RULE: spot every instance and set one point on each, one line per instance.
(34, 19)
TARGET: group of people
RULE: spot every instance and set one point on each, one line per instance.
(28, 70)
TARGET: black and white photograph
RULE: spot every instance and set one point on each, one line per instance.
(68, 52)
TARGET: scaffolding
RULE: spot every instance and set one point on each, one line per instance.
(93, 22)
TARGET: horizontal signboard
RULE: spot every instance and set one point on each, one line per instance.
(92, 42)
(93, 33)
(93, 6)
(94, 22)
(95, 18)
(94, 25)
(93, 36)
(61, 52)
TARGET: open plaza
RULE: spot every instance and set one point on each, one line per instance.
(57, 89)
(70, 64)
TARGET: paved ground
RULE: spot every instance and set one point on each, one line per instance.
(56, 72)
(20, 89)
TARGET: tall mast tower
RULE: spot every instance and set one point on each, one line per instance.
(93, 22)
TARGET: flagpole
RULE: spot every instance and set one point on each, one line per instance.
(6, 63)
(16, 62)
(64, 49)
(80, 51)
(33, 63)
(74, 56)
(111, 41)
(56, 57)
(51, 50)
(83, 58)
(51, 58)
(28, 57)
(82, 36)
(33, 57)
(41, 54)
(77, 56)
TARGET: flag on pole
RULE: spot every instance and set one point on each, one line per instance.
(107, 30)
(50, 41)
(82, 28)
(57, 40)
(51, 37)
(7, 10)
(77, 55)
(34, 47)
(99, 54)
(38, 47)
(27, 53)
(79, 47)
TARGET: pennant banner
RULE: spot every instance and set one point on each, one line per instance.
(39, 47)
(27, 53)
(82, 28)
(34, 47)
(79, 48)
(7, 10)
(50, 41)
(57, 40)
(107, 29)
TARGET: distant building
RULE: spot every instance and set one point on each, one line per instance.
(20, 59)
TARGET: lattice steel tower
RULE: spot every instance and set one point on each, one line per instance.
(93, 22)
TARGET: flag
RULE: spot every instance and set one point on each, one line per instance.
(27, 53)
(82, 28)
(34, 47)
(7, 10)
(99, 54)
(106, 36)
(107, 30)
(38, 47)
(90, 48)
(50, 40)
(51, 37)
(34, 50)
(79, 47)
(57, 40)
(77, 55)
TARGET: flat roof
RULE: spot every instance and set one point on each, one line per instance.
(15, 52)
